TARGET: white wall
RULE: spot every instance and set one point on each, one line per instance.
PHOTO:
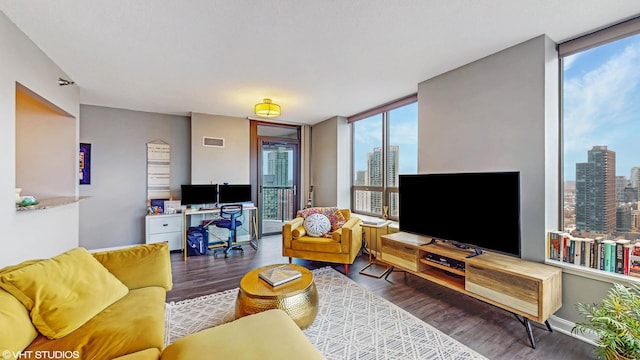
(34, 234)
(230, 164)
(114, 214)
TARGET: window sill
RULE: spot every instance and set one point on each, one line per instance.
(594, 274)
(51, 203)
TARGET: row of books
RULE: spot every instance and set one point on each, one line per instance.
(617, 256)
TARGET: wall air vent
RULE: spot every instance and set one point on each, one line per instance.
(212, 142)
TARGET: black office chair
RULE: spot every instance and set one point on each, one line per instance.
(229, 215)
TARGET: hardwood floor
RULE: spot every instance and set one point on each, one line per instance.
(488, 330)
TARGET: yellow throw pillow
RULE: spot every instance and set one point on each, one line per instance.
(298, 232)
(64, 292)
(139, 266)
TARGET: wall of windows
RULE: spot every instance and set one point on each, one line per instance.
(385, 145)
(601, 151)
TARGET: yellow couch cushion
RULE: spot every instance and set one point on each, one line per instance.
(152, 260)
(321, 244)
(63, 292)
(149, 354)
(16, 329)
(131, 324)
(266, 335)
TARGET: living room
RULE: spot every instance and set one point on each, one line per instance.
(459, 110)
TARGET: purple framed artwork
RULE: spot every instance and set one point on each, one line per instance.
(85, 164)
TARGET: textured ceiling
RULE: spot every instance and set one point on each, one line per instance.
(316, 58)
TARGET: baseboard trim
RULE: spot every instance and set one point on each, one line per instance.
(564, 326)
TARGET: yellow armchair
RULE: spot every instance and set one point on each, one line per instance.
(342, 247)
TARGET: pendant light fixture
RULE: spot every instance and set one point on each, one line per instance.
(267, 109)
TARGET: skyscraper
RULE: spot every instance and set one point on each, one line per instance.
(374, 170)
(596, 191)
(635, 177)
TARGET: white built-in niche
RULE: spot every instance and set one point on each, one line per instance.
(46, 149)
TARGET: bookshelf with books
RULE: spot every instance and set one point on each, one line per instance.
(619, 256)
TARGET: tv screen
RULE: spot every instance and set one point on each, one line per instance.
(199, 194)
(234, 194)
(481, 210)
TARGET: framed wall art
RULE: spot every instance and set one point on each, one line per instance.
(85, 164)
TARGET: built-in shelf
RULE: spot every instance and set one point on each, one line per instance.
(51, 203)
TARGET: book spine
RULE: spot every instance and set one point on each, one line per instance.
(600, 256)
(607, 256)
(588, 249)
(583, 253)
(628, 250)
(619, 258)
(577, 251)
(566, 242)
(612, 261)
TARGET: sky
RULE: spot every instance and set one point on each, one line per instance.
(404, 133)
(601, 100)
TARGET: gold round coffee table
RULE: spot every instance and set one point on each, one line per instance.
(298, 298)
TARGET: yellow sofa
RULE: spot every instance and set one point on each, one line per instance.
(340, 246)
(115, 309)
(88, 309)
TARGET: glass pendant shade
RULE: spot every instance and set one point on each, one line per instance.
(267, 109)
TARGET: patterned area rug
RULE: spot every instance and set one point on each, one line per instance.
(352, 323)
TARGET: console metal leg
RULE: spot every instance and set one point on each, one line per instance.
(527, 325)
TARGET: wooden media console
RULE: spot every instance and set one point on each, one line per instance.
(529, 290)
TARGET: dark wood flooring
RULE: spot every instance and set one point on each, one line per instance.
(488, 330)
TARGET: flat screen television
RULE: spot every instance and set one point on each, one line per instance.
(480, 210)
(234, 193)
(199, 194)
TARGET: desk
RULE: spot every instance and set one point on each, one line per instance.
(212, 214)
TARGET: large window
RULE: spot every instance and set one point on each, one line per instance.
(385, 144)
(601, 144)
(601, 101)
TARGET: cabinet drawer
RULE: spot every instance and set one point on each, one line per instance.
(163, 224)
(400, 254)
(515, 291)
(174, 239)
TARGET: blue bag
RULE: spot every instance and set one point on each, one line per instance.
(197, 240)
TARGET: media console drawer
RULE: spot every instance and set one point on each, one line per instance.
(400, 254)
(514, 291)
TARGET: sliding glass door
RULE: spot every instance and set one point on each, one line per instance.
(278, 180)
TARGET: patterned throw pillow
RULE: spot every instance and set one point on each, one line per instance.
(337, 220)
(317, 225)
(326, 211)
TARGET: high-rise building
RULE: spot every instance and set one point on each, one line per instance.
(624, 218)
(393, 158)
(621, 184)
(596, 191)
(374, 169)
(635, 177)
(371, 201)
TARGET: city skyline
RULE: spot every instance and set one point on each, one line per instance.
(403, 134)
(601, 102)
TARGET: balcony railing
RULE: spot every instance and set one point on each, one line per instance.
(278, 203)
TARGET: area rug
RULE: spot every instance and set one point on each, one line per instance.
(352, 323)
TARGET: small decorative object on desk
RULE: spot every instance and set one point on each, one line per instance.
(279, 275)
